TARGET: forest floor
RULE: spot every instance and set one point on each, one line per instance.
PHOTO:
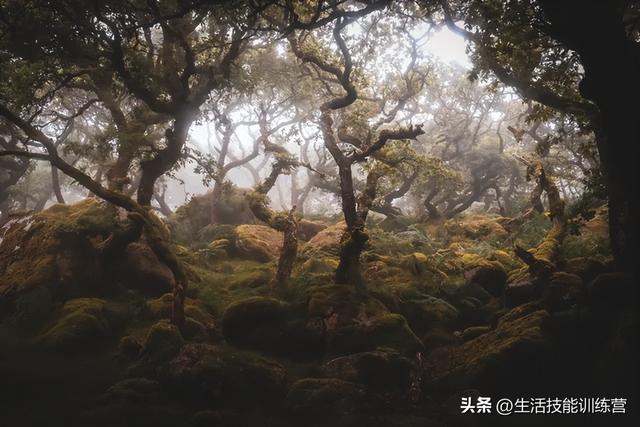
(448, 312)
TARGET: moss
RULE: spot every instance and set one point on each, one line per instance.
(162, 341)
(323, 397)
(426, 312)
(217, 375)
(256, 323)
(383, 370)
(549, 249)
(476, 227)
(31, 309)
(325, 243)
(519, 342)
(134, 390)
(89, 216)
(343, 301)
(80, 322)
(257, 242)
(389, 330)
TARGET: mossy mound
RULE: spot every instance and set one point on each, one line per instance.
(215, 375)
(308, 229)
(491, 278)
(55, 248)
(585, 267)
(382, 370)
(257, 242)
(476, 227)
(142, 270)
(324, 397)
(389, 330)
(508, 357)
(326, 243)
(79, 323)
(189, 222)
(563, 291)
(256, 323)
(428, 312)
(162, 341)
(341, 304)
(134, 390)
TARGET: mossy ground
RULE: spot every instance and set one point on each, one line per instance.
(252, 355)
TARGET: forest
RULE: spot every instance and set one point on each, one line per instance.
(318, 212)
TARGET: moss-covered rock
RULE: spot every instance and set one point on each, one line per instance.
(319, 265)
(520, 292)
(476, 227)
(256, 323)
(341, 304)
(428, 312)
(585, 267)
(79, 323)
(141, 270)
(192, 221)
(473, 332)
(325, 243)
(54, 248)
(308, 229)
(28, 310)
(439, 337)
(324, 397)
(134, 390)
(257, 242)
(563, 291)
(507, 357)
(389, 330)
(492, 278)
(217, 375)
(163, 340)
(381, 370)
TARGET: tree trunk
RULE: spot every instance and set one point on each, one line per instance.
(354, 238)
(611, 64)
(55, 184)
(289, 250)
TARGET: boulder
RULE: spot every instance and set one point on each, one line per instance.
(389, 330)
(476, 227)
(491, 278)
(341, 305)
(473, 332)
(215, 375)
(163, 341)
(381, 370)
(439, 337)
(78, 325)
(428, 312)
(141, 270)
(255, 323)
(324, 397)
(257, 242)
(308, 229)
(585, 267)
(134, 390)
(54, 248)
(520, 293)
(192, 221)
(325, 243)
(509, 357)
(563, 291)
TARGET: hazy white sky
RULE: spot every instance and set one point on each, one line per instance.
(443, 45)
(448, 47)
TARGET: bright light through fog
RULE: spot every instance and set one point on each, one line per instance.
(448, 47)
